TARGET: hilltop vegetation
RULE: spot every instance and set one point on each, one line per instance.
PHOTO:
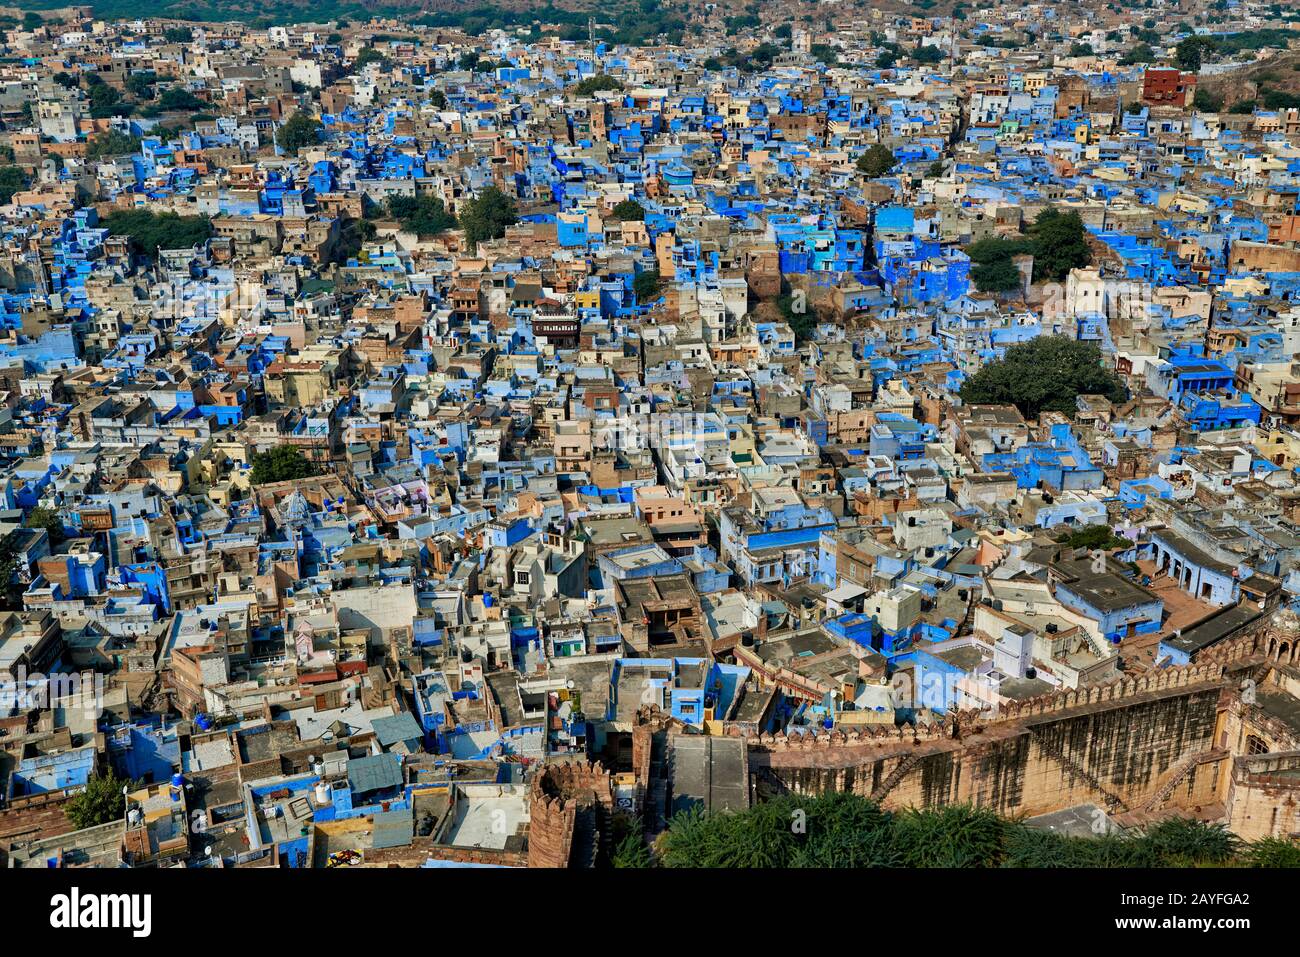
(846, 830)
(1046, 374)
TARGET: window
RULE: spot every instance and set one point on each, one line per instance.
(1255, 745)
(521, 578)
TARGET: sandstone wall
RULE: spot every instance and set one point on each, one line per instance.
(1264, 798)
(1116, 754)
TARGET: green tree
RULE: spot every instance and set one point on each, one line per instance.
(140, 84)
(48, 519)
(1142, 53)
(1045, 374)
(1190, 52)
(1000, 275)
(953, 836)
(845, 830)
(12, 179)
(824, 53)
(630, 850)
(596, 84)
(876, 161)
(929, 55)
(1182, 842)
(487, 216)
(367, 56)
(101, 802)
(646, 286)
(1273, 852)
(178, 34)
(424, 215)
(11, 590)
(759, 837)
(299, 131)
(281, 464)
(149, 231)
(629, 210)
(1092, 536)
(112, 143)
(994, 270)
(176, 98)
(106, 101)
(1060, 244)
(797, 315)
(997, 247)
(1206, 102)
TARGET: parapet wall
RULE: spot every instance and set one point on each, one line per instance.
(1115, 745)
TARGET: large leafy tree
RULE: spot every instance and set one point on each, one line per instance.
(424, 216)
(48, 519)
(1060, 244)
(150, 231)
(488, 216)
(629, 210)
(877, 161)
(281, 464)
(1092, 536)
(1000, 275)
(112, 143)
(1057, 240)
(102, 801)
(798, 316)
(1046, 374)
(105, 100)
(12, 179)
(299, 131)
(595, 84)
(630, 848)
(11, 590)
(1190, 52)
(646, 285)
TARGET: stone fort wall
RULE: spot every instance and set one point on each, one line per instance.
(1137, 744)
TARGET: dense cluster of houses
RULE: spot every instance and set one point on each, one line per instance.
(680, 436)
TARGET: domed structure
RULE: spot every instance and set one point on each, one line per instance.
(1282, 637)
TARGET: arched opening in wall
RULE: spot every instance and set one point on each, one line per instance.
(1256, 745)
(1284, 651)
